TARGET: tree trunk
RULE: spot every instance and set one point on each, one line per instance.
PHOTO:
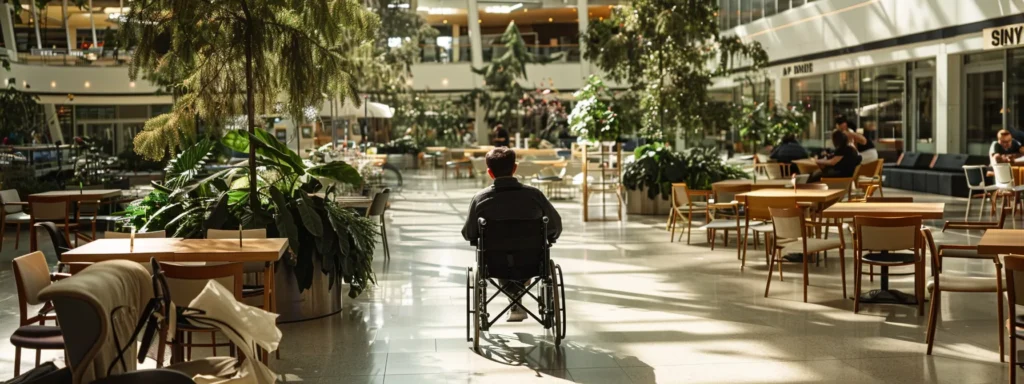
(250, 109)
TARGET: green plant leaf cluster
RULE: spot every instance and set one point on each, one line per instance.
(761, 124)
(656, 167)
(20, 114)
(593, 117)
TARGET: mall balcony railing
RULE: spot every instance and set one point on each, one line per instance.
(432, 53)
(99, 57)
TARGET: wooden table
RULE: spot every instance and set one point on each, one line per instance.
(759, 184)
(1001, 242)
(927, 211)
(66, 196)
(550, 163)
(187, 250)
(520, 152)
(802, 195)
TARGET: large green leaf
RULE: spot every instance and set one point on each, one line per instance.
(187, 165)
(310, 218)
(272, 149)
(236, 140)
(339, 171)
(220, 213)
(284, 220)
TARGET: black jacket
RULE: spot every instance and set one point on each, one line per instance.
(507, 198)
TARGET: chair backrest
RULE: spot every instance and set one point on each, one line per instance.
(1003, 173)
(842, 183)
(929, 241)
(975, 175)
(680, 195)
(186, 282)
(869, 169)
(1014, 265)
(788, 222)
(479, 165)
(802, 178)
(527, 169)
(31, 275)
(759, 207)
(776, 170)
(725, 193)
(259, 233)
(888, 233)
(138, 235)
(49, 210)
(902, 199)
(8, 196)
(60, 243)
(513, 248)
(572, 168)
(813, 186)
(548, 172)
(380, 203)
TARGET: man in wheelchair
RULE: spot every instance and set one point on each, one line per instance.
(508, 199)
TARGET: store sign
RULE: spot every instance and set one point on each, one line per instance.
(1003, 37)
(798, 69)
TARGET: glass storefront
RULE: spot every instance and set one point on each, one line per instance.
(808, 91)
(881, 111)
(841, 98)
(983, 100)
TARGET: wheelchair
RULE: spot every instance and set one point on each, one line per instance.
(509, 250)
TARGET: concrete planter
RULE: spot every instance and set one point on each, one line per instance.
(637, 203)
(316, 302)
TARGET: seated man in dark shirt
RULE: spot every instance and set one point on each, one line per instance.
(509, 199)
(788, 151)
(842, 164)
(1005, 149)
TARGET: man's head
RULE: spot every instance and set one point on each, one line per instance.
(501, 162)
(839, 139)
(1005, 138)
(841, 123)
(788, 138)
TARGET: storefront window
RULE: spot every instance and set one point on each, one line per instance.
(808, 91)
(841, 98)
(881, 111)
(1015, 94)
(983, 102)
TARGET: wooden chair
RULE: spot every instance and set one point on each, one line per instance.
(758, 219)
(790, 224)
(1008, 189)
(942, 282)
(58, 212)
(141, 235)
(876, 238)
(683, 208)
(868, 192)
(13, 213)
(725, 214)
(185, 282)
(377, 209)
(980, 225)
(31, 275)
(843, 183)
(870, 174)
(1014, 265)
(770, 168)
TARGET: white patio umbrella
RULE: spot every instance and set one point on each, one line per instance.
(368, 109)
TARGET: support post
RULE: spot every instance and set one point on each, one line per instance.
(477, 52)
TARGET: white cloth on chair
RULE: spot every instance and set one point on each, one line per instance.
(245, 326)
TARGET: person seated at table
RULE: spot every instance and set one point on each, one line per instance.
(842, 163)
(507, 198)
(500, 136)
(1005, 149)
(787, 151)
(864, 143)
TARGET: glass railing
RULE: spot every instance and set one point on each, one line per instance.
(431, 53)
(76, 57)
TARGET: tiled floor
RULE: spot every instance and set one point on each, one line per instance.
(641, 310)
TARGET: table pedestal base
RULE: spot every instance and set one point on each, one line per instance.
(891, 296)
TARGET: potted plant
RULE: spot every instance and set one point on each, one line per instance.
(592, 117)
(656, 167)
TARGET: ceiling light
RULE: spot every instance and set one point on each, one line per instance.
(444, 82)
(131, 84)
(551, 20)
(438, 11)
(502, 8)
(445, 21)
(88, 84)
(53, 84)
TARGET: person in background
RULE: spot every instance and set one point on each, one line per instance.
(787, 151)
(842, 163)
(500, 136)
(865, 145)
(1005, 149)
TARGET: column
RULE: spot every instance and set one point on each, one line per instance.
(67, 29)
(583, 17)
(455, 43)
(92, 24)
(7, 30)
(948, 130)
(35, 23)
(476, 49)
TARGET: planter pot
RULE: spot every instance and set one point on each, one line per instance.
(403, 161)
(316, 302)
(637, 203)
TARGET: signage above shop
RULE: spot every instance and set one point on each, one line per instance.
(798, 69)
(1003, 37)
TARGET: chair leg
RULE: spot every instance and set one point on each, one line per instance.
(856, 284)
(384, 236)
(871, 273)
(17, 238)
(672, 226)
(743, 260)
(805, 277)
(17, 361)
(1013, 358)
(999, 311)
(3, 229)
(712, 239)
(689, 228)
(933, 318)
(970, 196)
(39, 355)
(842, 266)
(771, 263)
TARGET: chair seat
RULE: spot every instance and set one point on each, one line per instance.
(107, 218)
(763, 228)
(726, 224)
(987, 188)
(18, 217)
(889, 258)
(867, 179)
(813, 245)
(223, 366)
(38, 337)
(1016, 188)
(963, 253)
(955, 283)
(252, 290)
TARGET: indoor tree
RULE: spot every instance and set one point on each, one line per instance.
(669, 51)
(244, 57)
(19, 114)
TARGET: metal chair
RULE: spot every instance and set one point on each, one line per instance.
(57, 238)
(31, 275)
(790, 224)
(976, 185)
(377, 209)
(13, 213)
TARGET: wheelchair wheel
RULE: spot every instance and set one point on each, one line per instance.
(470, 312)
(557, 301)
(478, 311)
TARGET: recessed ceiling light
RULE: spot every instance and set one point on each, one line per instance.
(53, 84)
(502, 8)
(88, 84)
(131, 84)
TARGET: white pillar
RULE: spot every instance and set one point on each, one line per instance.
(7, 30)
(476, 49)
(35, 23)
(67, 26)
(455, 43)
(948, 130)
(583, 16)
(92, 24)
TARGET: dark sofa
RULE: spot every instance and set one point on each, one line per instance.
(941, 174)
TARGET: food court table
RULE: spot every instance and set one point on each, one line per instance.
(66, 196)
(801, 195)
(187, 250)
(1001, 241)
(927, 211)
(759, 184)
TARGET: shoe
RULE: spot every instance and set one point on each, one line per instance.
(516, 315)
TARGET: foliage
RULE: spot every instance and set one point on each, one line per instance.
(25, 181)
(669, 50)
(592, 117)
(400, 146)
(19, 113)
(762, 125)
(294, 204)
(503, 92)
(92, 166)
(656, 167)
